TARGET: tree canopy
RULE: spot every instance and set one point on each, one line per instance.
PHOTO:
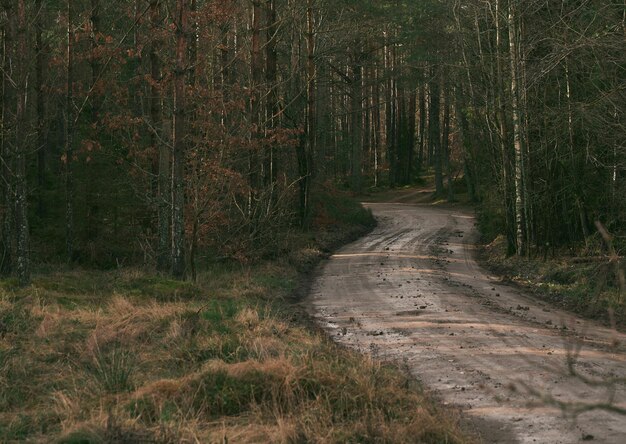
(168, 132)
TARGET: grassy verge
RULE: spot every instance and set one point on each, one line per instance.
(127, 356)
(585, 285)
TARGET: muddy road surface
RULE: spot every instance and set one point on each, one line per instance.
(412, 292)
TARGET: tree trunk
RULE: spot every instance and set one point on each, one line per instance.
(412, 111)
(6, 168)
(390, 117)
(21, 190)
(256, 73)
(576, 171)
(367, 118)
(161, 150)
(307, 146)
(96, 102)
(376, 128)
(41, 137)
(435, 131)
(422, 127)
(462, 127)
(402, 146)
(445, 142)
(179, 149)
(517, 138)
(69, 148)
(193, 43)
(462, 124)
(356, 110)
(503, 134)
(271, 76)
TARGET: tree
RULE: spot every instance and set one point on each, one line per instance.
(435, 129)
(161, 153)
(21, 148)
(6, 169)
(181, 17)
(68, 155)
(174, 133)
(517, 132)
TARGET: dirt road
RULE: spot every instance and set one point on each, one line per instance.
(411, 291)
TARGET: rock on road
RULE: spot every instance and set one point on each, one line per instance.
(412, 292)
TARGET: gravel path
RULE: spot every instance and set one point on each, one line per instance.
(412, 292)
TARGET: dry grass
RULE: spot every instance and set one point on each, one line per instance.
(129, 357)
(127, 368)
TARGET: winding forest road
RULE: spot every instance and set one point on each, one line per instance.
(412, 292)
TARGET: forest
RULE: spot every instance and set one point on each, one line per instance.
(171, 172)
(171, 133)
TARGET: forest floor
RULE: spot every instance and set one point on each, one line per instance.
(584, 284)
(128, 356)
(518, 368)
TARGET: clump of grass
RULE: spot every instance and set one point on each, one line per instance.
(340, 397)
(209, 394)
(124, 322)
(113, 368)
(113, 430)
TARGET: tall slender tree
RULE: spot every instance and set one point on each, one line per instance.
(434, 126)
(22, 148)
(181, 17)
(68, 155)
(161, 150)
(517, 131)
(6, 169)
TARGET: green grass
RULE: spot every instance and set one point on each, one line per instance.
(113, 368)
(160, 288)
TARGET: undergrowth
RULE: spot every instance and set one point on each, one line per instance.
(587, 285)
(128, 356)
